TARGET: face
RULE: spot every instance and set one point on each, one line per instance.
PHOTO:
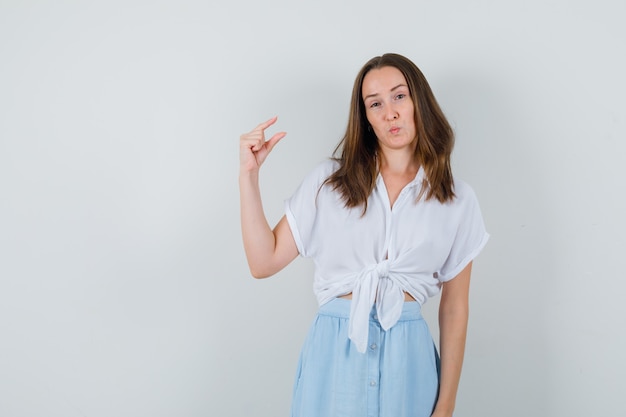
(389, 108)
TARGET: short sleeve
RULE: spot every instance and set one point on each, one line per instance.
(470, 237)
(301, 208)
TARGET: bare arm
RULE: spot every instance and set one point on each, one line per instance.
(453, 316)
(268, 251)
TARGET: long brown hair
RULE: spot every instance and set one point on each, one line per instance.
(358, 167)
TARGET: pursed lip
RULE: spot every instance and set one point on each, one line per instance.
(394, 129)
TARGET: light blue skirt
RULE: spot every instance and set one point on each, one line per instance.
(398, 375)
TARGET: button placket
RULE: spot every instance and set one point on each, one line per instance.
(373, 371)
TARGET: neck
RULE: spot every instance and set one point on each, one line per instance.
(397, 162)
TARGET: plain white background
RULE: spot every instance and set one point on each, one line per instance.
(123, 284)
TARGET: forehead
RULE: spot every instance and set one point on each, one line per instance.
(381, 80)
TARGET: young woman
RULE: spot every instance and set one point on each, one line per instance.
(387, 227)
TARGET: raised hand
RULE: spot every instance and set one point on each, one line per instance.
(253, 148)
(267, 250)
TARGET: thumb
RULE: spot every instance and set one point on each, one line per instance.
(274, 140)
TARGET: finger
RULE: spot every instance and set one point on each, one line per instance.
(277, 136)
(274, 140)
(267, 123)
(252, 142)
(258, 145)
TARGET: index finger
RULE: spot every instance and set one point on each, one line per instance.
(267, 124)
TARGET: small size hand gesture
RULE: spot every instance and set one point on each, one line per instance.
(254, 148)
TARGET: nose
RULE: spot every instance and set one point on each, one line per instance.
(392, 114)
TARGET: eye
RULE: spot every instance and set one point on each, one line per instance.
(400, 96)
(374, 104)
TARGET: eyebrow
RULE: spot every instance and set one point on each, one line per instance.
(393, 89)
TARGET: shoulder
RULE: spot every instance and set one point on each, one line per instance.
(326, 167)
(322, 171)
(465, 205)
(313, 180)
(464, 198)
(463, 190)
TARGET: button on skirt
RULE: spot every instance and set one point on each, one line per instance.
(398, 375)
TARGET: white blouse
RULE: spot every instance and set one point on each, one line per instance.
(413, 247)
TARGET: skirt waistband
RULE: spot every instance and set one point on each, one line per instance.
(340, 307)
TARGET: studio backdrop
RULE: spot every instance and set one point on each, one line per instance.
(124, 289)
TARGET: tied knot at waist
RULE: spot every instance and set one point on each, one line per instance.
(375, 285)
(382, 269)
